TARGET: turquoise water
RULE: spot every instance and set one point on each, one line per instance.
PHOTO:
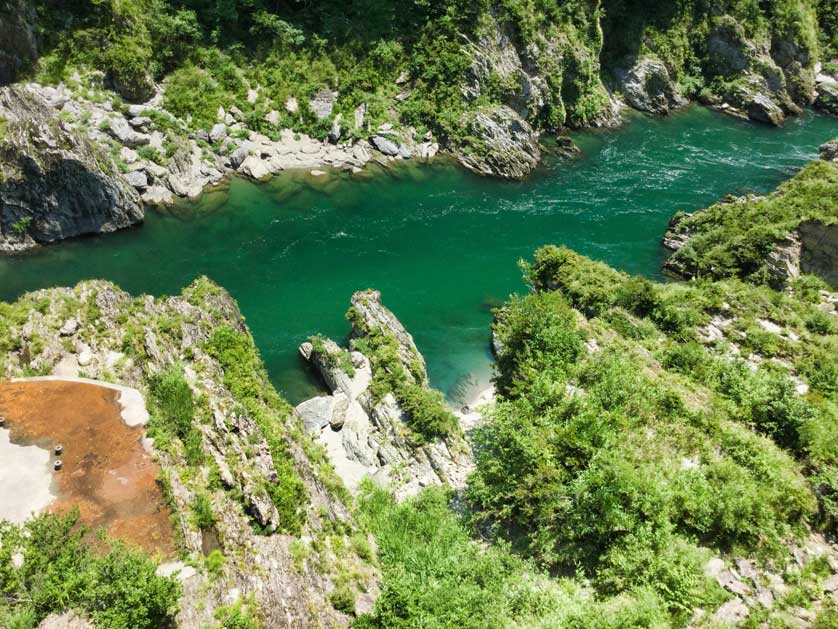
(440, 243)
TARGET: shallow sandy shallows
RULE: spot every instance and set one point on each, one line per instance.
(106, 472)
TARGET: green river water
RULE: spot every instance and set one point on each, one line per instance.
(441, 244)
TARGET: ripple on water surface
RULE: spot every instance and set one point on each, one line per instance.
(438, 242)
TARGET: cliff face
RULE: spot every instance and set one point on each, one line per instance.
(275, 512)
(54, 182)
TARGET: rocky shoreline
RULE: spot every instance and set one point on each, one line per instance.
(141, 155)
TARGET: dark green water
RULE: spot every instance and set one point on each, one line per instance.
(439, 243)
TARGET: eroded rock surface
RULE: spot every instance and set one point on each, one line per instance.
(54, 182)
(647, 86)
(500, 143)
(365, 429)
(758, 79)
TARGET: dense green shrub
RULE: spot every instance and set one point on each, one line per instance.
(59, 571)
(173, 409)
(625, 462)
(202, 513)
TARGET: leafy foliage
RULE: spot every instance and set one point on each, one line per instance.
(626, 444)
(436, 576)
(57, 570)
(173, 408)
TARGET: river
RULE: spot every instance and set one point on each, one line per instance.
(440, 243)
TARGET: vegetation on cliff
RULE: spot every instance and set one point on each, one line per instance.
(735, 237)
(410, 62)
(247, 489)
(47, 565)
(645, 426)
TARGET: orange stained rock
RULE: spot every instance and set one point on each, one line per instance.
(106, 471)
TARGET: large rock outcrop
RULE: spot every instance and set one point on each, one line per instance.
(647, 86)
(498, 143)
(759, 79)
(364, 425)
(55, 183)
(18, 45)
(252, 459)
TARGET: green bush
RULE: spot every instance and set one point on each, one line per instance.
(236, 616)
(427, 411)
(173, 398)
(202, 513)
(117, 588)
(215, 562)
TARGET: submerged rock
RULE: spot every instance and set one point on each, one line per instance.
(54, 182)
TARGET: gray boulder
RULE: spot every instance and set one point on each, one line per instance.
(121, 131)
(647, 86)
(238, 156)
(137, 179)
(316, 413)
(762, 108)
(501, 143)
(54, 182)
(140, 122)
(827, 99)
(384, 145)
(218, 132)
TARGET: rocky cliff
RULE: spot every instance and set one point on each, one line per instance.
(375, 422)
(276, 513)
(55, 182)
